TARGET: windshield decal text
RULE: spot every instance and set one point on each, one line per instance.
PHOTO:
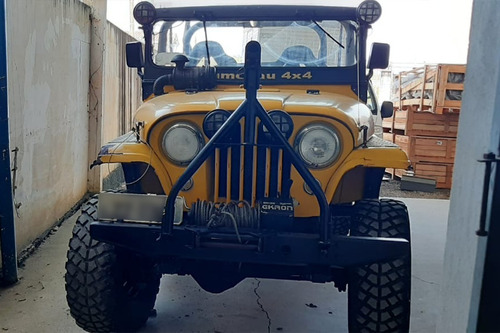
(266, 76)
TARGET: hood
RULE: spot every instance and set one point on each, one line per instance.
(350, 111)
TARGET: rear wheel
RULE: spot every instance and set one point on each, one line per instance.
(379, 293)
(107, 289)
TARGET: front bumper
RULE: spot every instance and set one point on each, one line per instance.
(270, 248)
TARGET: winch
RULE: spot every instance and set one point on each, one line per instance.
(267, 214)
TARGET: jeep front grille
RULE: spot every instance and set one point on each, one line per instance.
(250, 172)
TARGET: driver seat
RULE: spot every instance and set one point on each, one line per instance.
(297, 55)
(199, 52)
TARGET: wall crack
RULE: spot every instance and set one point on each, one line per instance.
(255, 291)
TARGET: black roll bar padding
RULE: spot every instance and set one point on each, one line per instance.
(250, 108)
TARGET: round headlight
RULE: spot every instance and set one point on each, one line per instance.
(182, 142)
(318, 145)
(369, 11)
(144, 13)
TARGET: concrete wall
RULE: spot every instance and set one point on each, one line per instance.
(49, 72)
(48, 51)
(479, 133)
(122, 86)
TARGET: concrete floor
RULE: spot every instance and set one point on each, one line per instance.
(37, 303)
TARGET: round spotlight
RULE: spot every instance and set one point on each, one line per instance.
(283, 121)
(369, 11)
(144, 13)
(213, 121)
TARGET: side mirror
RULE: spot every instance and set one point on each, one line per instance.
(134, 55)
(379, 57)
(386, 109)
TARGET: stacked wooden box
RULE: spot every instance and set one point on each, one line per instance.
(427, 103)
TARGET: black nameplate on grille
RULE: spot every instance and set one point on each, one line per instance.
(276, 213)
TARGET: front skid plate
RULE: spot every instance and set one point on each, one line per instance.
(275, 248)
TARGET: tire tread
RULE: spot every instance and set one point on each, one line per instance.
(379, 293)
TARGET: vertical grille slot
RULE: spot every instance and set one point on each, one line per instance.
(223, 172)
(235, 172)
(273, 173)
(286, 176)
(260, 187)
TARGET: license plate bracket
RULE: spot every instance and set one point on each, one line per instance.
(137, 208)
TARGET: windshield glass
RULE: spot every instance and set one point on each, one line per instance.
(284, 43)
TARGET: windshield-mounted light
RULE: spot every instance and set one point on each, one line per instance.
(144, 13)
(369, 11)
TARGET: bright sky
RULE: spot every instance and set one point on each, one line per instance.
(419, 31)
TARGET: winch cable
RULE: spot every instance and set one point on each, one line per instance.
(237, 214)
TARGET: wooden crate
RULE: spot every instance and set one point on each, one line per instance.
(434, 88)
(441, 172)
(450, 88)
(413, 123)
(388, 136)
(427, 149)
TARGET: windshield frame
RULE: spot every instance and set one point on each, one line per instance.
(355, 75)
(284, 43)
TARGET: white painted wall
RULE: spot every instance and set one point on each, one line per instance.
(479, 132)
(48, 50)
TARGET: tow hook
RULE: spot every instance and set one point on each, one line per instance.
(324, 247)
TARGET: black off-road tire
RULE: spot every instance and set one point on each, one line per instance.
(379, 294)
(107, 289)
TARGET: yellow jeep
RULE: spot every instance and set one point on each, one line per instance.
(253, 155)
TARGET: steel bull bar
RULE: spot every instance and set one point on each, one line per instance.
(250, 109)
(260, 247)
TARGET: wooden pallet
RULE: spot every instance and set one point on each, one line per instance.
(427, 149)
(442, 173)
(434, 88)
(413, 123)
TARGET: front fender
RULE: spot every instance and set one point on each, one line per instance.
(370, 157)
(127, 149)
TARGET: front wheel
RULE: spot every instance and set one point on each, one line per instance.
(107, 289)
(379, 293)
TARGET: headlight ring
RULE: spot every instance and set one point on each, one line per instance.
(182, 142)
(318, 145)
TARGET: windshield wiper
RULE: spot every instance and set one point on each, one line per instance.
(326, 32)
(206, 42)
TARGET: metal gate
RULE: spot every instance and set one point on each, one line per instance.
(8, 251)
